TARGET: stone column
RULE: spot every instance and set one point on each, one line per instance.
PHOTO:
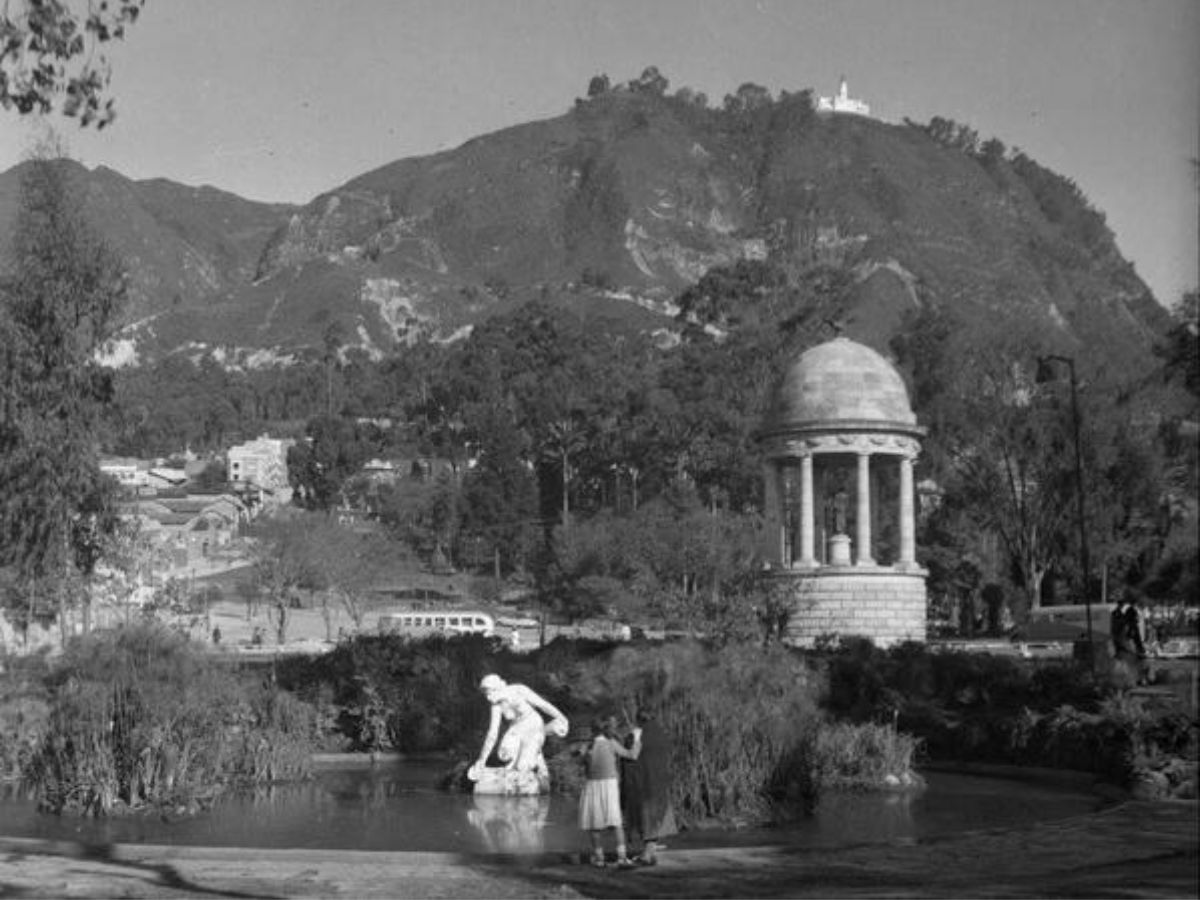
(773, 532)
(908, 543)
(807, 524)
(773, 504)
(863, 497)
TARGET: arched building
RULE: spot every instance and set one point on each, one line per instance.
(839, 443)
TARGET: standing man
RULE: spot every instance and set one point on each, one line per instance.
(1122, 628)
(1136, 628)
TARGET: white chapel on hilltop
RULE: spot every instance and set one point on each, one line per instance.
(843, 102)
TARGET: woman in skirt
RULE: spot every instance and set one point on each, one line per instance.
(646, 791)
(600, 805)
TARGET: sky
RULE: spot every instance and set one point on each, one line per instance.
(281, 100)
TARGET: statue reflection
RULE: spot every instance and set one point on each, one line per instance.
(510, 824)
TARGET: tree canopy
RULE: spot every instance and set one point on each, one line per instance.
(51, 57)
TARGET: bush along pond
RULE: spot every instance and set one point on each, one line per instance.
(140, 719)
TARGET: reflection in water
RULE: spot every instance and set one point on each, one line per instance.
(510, 824)
(867, 818)
(400, 808)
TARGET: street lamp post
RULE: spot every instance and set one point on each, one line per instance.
(1080, 515)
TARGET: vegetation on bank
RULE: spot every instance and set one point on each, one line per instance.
(973, 707)
(141, 718)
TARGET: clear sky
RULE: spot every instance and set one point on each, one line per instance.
(283, 99)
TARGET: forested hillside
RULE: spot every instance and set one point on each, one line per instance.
(593, 309)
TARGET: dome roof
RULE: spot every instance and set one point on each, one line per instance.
(840, 383)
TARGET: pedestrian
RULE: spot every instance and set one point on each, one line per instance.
(600, 805)
(1136, 629)
(1120, 629)
(646, 790)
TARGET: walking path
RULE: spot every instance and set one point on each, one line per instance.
(1137, 849)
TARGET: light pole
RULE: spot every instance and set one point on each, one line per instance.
(1045, 374)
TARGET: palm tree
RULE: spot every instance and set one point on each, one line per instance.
(565, 437)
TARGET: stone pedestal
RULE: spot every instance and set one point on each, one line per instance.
(881, 604)
(839, 550)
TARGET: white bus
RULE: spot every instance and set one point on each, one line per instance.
(426, 623)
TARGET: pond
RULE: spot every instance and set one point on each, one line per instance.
(398, 807)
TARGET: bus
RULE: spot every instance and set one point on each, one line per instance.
(426, 623)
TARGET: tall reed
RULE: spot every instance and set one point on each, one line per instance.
(139, 716)
(862, 755)
(742, 720)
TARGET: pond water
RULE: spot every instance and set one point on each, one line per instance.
(400, 808)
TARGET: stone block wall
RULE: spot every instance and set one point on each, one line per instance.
(883, 604)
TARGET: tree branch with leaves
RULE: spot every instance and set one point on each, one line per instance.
(50, 56)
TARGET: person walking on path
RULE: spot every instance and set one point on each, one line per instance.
(1135, 626)
(600, 805)
(1129, 647)
(1118, 632)
(646, 790)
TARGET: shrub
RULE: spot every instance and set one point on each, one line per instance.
(24, 711)
(862, 756)
(140, 716)
(392, 693)
(741, 720)
(985, 708)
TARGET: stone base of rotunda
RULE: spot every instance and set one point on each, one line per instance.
(881, 603)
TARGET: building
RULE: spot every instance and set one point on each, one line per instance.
(187, 530)
(839, 442)
(129, 473)
(258, 470)
(842, 102)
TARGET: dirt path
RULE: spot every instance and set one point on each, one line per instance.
(1136, 849)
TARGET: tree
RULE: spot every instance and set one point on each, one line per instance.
(598, 85)
(692, 98)
(49, 55)
(749, 97)
(334, 450)
(500, 494)
(332, 341)
(58, 300)
(651, 81)
(564, 438)
(1008, 451)
(1181, 350)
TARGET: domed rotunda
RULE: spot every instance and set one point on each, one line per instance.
(839, 442)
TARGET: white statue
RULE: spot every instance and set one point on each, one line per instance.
(524, 770)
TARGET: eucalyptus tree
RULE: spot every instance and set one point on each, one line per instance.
(59, 296)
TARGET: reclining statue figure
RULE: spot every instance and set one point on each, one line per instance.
(524, 770)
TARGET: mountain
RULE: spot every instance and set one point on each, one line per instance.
(614, 208)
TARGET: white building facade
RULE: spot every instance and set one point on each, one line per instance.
(259, 467)
(842, 102)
